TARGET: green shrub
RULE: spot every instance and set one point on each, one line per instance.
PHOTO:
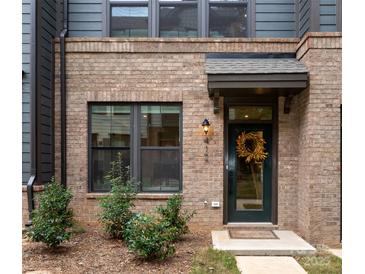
(53, 218)
(173, 215)
(116, 208)
(149, 237)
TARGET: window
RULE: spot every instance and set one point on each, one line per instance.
(154, 144)
(227, 18)
(178, 18)
(263, 113)
(160, 148)
(110, 134)
(129, 19)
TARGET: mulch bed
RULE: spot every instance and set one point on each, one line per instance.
(94, 252)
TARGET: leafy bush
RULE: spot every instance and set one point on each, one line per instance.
(116, 208)
(172, 214)
(53, 218)
(149, 237)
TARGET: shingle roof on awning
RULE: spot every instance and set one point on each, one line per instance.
(254, 66)
(275, 74)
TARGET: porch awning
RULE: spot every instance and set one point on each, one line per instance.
(255, 74)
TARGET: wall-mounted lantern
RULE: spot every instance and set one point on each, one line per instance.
(206, 126)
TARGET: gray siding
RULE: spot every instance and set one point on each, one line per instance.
(85, 18)
(26, 90)
(327, 11)
(45, 33)
(275, 18)
(303, 16)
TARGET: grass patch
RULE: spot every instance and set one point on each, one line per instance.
(214, 261)
(321, 263)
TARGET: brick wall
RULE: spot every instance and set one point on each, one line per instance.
(172, 70)
(319, 139)
(288, 165)
(153, 70)
(145, 77)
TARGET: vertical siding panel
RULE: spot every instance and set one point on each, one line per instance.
(26, 90)
(47, 30)
(304, 16)
(275, 18)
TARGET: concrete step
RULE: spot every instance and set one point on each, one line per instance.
(251, 226)
(287, 244)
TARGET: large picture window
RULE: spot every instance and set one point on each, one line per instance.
(150, 134)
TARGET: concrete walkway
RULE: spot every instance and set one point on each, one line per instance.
(287, 244)
(268, 264)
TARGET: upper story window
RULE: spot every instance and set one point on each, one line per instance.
(178, 18)
(227, 18)
(129, 19)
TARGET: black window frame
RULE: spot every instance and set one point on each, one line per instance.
(203, 14)
(135, 147)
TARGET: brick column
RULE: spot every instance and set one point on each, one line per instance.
(319, 139)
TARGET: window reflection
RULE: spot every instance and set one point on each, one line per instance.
(110, 126)
(160, 125)
(227, 20)
(129, 21)
(179, 20)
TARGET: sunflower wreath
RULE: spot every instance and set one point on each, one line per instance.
(250, 146)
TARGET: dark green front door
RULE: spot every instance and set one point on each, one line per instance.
(249, 184)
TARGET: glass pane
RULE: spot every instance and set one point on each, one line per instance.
(228, 20)
(160, 170)
(110, 126)
(179, 20)
(129, 21)
(101, 163)
(249, 184)
(160, 126)
(250, 113)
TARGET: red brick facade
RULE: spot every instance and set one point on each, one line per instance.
(172, 70)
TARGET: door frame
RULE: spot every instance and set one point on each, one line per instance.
(253, 101)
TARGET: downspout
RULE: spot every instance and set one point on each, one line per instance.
(63, 34)
(33, 111)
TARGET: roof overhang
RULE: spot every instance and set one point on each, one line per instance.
(255, 74)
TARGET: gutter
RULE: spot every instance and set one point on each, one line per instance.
(33, 121)
(33, 110)
(63, 34)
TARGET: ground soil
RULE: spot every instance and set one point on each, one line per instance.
(94, 252)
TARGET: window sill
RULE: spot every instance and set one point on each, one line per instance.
(140, 196)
